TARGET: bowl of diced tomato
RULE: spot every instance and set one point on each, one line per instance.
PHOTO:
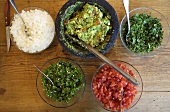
(112, 91)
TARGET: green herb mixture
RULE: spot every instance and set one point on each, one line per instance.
(145, 34)
(67, 79)
(89, 24)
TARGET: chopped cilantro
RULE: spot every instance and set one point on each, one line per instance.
(145, 34)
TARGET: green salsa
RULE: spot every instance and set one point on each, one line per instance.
(67, 79)
(89, 24)
(145, 34)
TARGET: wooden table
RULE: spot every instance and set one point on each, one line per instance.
(18, 76)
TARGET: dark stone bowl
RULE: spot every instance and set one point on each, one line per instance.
(72, 47)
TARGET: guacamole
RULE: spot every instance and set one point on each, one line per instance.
(89, 24)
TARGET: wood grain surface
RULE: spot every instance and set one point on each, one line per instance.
(18, 76)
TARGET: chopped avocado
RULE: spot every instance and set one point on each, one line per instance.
(89, 24)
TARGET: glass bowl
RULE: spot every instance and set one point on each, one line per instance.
(74, 48)
(40, 30)
(112, 91)
(154, 13)
(43, 93)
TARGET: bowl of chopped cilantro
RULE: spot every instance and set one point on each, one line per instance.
(149, 32)
(94, 22)
(68, 82)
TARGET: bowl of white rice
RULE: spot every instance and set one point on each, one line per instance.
(40, 27)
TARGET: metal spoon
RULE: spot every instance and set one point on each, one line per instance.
(106, 60)
(44, 74)
(126, 6)
(122, 94)
(14, 6)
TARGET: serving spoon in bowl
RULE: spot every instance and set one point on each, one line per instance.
(126, 6)
(105, 59)
(14, 6)
(44, 74)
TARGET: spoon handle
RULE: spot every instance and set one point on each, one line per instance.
(106, 60)
(44, 74)
(14, 6)
(126, 5)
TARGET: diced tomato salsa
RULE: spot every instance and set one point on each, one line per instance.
(112, 89)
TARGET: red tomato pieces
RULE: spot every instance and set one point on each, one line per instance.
(108, 85)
